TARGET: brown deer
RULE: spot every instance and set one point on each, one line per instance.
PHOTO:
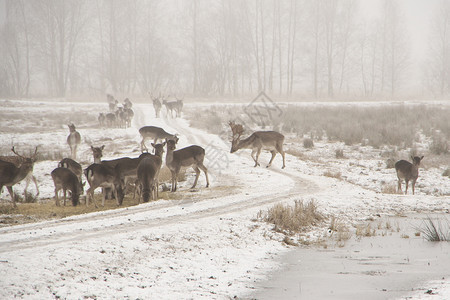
(100, 175)
(156, 105)
(155, 133)
(148, 173)
(10, 174)
(72, 165)
(257, 141)
(189, 156)
(64, 179)
(408, 172)
(74, 139)
(17, 161)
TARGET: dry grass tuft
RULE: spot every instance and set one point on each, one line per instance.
(292, 219)
(336, 174)
(436, 230)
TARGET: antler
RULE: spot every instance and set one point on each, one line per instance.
(236, 129)
(15, 152)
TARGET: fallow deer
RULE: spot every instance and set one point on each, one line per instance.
(155, 133)
(260, 140)
(10, 174)
(189, 156)
(101, 119)
(148, 173)
(64, 179)
(72, 165)
(171, 106)
(408, 172)
(17, 161)
(156, 105)
(74, 139)
(100, 175)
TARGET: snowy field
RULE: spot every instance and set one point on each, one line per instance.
(206, 244)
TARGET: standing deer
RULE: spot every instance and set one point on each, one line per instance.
(148, 173)
(156, 105)
(257, 141)
(101, 119)
(18, 161)
(100, 175)
(189, 156)
(155, 133)
(171, 106)
(65, 179)
(74, 139)
(408, 171)
(179, 106)
(10, 174)
(72, 165)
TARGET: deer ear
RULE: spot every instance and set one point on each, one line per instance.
(92, 148)
(153, 145)
(412, 157)
(164, 143)
(103, 147)
(422, 157)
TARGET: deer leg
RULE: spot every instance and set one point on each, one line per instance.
(413, 184)
(11, 192)
(56, 197)
(205, 170)
(35, 183)
(406, 190)
(254, 159)
(143, 145)
(64, 196)
(257, 156)
(281, 151)
(174, 181)
(197, 174)
(273, 152)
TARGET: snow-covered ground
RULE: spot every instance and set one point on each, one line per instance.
(205, 245)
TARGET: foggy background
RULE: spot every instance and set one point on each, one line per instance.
(333, 49)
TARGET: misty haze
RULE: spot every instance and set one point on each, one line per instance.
(225, 149)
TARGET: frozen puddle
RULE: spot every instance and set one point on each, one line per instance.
(393, 266)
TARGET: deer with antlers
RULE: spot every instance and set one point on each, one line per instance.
(156, 104)
(10, 174)
(257, 141)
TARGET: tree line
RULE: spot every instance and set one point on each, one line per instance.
(306, 48)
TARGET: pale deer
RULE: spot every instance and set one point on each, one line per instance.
(100, 175)
(74, 139)
(17, 161)
(156, 105)
(155, 133)
(129, 114)
(101, 119)
(148, 173)
(189, 156)
(260, 140)
(72, 165)
(171, 106)
(111, 120)
(127, 104)
(64, 179)
(10, 174)
(408, 172)
(179, 106)
(111, 102)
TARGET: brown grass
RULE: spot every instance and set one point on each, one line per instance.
(47, 210)
(292, 219)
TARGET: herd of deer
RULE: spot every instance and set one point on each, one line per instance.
(118, 116)
(113, 175)
(171, 106)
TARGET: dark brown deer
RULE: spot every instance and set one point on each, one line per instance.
(72, 165)
(155, 133)
(10, 174)
(148, 173)
(408, 171)
(257, 141)
(74, 139)
(18, 161)
(189, 156)
(64, 179)
(100, 175)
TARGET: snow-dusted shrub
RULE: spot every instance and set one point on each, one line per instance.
(308, 143)
(292, 219)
